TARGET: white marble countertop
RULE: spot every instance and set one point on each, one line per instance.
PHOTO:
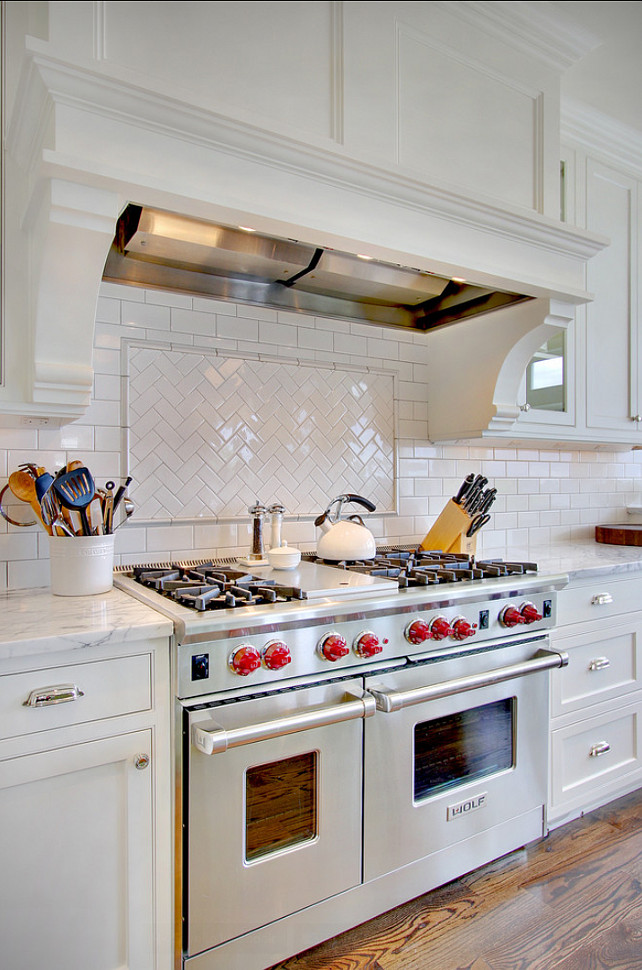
(580, 560)
(35, 621)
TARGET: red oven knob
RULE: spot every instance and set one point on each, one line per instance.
(510, 616)
(367, 644)
(245, 660)
(417, 631)
(440, 628)
(530, 613)
(462, 629)
(276, 655)
(332, 646)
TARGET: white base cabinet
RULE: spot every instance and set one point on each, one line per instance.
(596, 701)
(85, 875)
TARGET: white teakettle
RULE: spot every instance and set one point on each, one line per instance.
(345, 538)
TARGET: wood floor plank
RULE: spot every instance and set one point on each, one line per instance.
(579, 920)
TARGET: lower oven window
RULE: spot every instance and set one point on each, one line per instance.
(463, 747)
(280, 805)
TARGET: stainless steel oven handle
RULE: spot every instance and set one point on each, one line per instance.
(390, 700)
(220, 739)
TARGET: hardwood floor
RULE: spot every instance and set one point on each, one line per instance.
(572, 901)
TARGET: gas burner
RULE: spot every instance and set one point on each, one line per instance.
(215, 587)
(418, 567)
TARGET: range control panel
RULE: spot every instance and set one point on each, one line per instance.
(343, 642)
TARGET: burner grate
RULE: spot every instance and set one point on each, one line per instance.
(211, 586)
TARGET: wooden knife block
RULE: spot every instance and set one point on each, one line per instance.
(449, 531)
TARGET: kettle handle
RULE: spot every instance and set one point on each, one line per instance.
(360, 500)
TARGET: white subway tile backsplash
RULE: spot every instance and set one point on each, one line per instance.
(543, 495)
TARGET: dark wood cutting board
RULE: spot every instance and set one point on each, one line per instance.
(619, 535)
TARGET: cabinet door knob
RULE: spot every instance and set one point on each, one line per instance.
(142, 761)
(600, 663)
(602, 747)
(58, 694)
(601, 599)
(636, 417)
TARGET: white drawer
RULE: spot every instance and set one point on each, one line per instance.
(604, 664)
(103, 688)
(597, 599)
(595, 754)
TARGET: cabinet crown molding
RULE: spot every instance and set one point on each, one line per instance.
(540, 30)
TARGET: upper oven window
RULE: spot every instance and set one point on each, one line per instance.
(463, 747)
(280, 805)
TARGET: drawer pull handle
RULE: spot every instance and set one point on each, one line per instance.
(600, 663)
(601, 599)
(60, 694)
(602, 747)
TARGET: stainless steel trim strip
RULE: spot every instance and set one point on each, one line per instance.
(389, 700)
(220, 739)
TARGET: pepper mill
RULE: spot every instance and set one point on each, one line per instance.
(257, 512)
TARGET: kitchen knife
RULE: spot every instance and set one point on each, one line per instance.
(464, 488)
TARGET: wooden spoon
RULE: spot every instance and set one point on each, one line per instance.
(23, 486)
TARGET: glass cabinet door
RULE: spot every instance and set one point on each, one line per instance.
(546, 376)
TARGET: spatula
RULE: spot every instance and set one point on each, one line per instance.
(75, 490)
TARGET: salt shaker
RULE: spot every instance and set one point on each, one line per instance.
(276, 512)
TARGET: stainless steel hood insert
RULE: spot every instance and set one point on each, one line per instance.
(158, 249)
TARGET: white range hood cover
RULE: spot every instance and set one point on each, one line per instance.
(91, 144)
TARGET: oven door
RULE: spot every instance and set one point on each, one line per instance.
(273, 813)
(459, 749)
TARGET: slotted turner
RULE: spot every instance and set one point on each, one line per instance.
(75, 490)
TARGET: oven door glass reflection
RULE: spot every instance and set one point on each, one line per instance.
(280, 805)
(463, 747)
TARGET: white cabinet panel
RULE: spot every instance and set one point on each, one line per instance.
(273, 62)
(603, 665)
(463, 122)
(611, 329)
(76, 888)
(595, 755)
(107, 688)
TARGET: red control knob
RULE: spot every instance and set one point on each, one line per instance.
(333, 646)
(367, 645)
(530, 613)
(245, 660)
(510, 616)
(462, 629)
(417, 631)
(440, 628)
(276, 655)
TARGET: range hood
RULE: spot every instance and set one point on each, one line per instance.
(157, 249)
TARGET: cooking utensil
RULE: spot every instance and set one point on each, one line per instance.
(23, 486)
(345, 538)
(476, 524)
(75, 490)
(129, 508)
(118, 497)
(108, 508)
(52, 515)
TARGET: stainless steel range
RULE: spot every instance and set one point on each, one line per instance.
(348, 737)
